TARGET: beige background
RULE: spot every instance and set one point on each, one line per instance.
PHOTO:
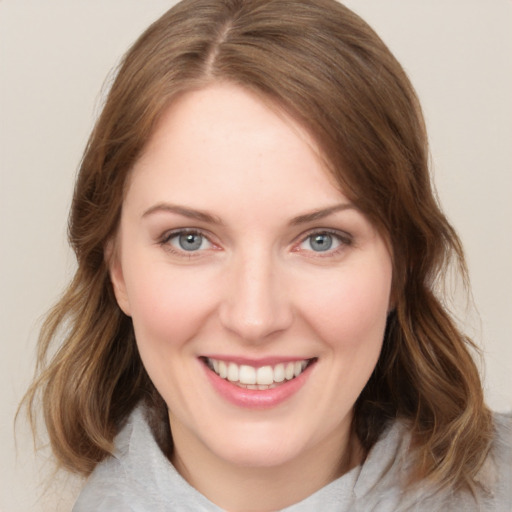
(54, 56)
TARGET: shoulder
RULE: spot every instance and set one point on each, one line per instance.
(498, 467)
(113, 486)
(108, 489)
(492, 490)
(380, 485)
(503, 433)
(138, 477)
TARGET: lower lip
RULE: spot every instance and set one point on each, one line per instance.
(255, 398)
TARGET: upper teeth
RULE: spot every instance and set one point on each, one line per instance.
(263, 376)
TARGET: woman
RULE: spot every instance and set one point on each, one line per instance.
(254, 323)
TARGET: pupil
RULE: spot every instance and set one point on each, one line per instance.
(190, 241)
(321, 242)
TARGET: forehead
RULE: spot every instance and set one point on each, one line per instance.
(222, 139)
(223, 112)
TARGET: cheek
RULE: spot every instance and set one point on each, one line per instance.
(349, 316)
(350, 308)
(168, 307)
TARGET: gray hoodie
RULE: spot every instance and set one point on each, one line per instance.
(139, 478)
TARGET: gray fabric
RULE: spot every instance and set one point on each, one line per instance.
(139, 478)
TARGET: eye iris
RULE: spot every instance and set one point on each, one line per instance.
(321, 242)
(190, 241)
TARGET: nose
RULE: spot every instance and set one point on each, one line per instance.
(256, 302)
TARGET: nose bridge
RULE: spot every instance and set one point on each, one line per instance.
(256, 304)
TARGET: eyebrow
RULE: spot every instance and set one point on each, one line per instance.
(184, 211)
(213, 219)
(321, 214)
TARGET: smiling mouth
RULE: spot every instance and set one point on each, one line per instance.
(261, 378)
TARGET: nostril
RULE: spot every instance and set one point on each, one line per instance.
(254, 322)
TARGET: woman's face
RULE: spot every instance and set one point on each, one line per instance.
(258, 292)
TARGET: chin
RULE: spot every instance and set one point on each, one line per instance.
(268, 456)
(261, 448)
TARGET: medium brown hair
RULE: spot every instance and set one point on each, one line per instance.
(327, 68)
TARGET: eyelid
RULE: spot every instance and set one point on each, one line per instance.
(167, 236)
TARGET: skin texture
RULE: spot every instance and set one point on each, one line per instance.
(255, 288)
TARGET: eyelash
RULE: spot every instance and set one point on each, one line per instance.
(344, 240)
(169, 235)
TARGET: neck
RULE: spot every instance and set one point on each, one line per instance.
(257, 489)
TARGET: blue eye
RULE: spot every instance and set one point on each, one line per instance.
(189, 241)
(323, 242)
(320, 242)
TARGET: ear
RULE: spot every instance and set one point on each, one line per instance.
(115, 271)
